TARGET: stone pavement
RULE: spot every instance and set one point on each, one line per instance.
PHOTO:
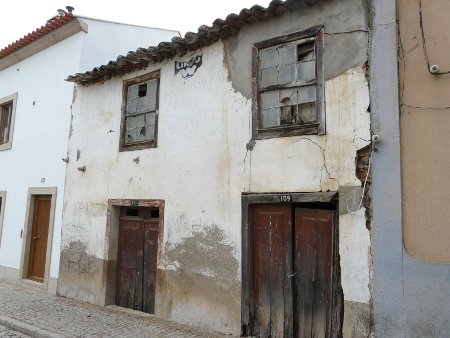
(35, 313)
(7, 333)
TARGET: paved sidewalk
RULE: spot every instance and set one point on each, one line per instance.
(37, 314)
(7, 333)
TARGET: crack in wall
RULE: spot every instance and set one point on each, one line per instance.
(324, 160)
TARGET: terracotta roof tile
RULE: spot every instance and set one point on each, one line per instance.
(50, 26)
(205, 36)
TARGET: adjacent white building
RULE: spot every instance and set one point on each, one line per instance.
(35, 102)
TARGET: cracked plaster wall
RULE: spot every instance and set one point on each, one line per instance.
(201, 166)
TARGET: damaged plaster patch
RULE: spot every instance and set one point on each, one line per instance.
(349, 198)
(205, 253)
(364, 174)
(75, 258)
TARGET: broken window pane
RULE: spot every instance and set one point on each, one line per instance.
(269, 58)
(288, 96)
(130, 135)
(284, 69)
(306, 112)
(287, 55)
(306, 71)
(271, 117)
(269, 76)
(142, 91)
(305, 52)
(140, 113)
(135, 131)
(142, 97)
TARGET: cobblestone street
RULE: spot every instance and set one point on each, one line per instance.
(36, 314)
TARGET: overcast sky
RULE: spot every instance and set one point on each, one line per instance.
(20, 17)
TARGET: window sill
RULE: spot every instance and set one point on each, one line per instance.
(286, 131)
(138, 146)
(6, 146)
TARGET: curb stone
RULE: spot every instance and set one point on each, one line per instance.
(28, 329)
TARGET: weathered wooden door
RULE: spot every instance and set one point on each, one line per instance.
(292, 269)
(38, 241)
(137, 258)
(313, 250)
(272, 267)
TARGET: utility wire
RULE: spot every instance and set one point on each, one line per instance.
(424, 43)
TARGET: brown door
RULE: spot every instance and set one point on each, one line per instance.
(313, 267)
(39, 234)
(137, 258)
(291, 271)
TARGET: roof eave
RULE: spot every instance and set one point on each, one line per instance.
(68, 29)
(220, 30)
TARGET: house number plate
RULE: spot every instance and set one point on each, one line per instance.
(285, 198)
(134, 203)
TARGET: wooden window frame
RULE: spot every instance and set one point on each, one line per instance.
(316, 34)
(249, 199)
(145, 144)
(10, 99)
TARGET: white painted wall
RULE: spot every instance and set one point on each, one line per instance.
(42, 121)
(201, 165)
(39, 141)
(106, 40)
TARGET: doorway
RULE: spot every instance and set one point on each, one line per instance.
(39, 236)
(291, 280)
(137, 253)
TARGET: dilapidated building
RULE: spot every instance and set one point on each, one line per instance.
(222, 179)
(35, 115)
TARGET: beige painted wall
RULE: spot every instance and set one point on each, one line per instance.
(425, 129)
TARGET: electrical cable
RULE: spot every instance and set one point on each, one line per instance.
(364, 187)
(424, 43)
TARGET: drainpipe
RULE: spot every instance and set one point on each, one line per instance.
(389, 315)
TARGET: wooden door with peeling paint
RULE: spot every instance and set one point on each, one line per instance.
(292, 271)
(137, 258)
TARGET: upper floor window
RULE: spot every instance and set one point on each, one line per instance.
(140, 112)
(7, 112)
(288, 85)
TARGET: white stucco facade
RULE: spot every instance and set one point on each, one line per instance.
(42, 123)
(201, 167)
